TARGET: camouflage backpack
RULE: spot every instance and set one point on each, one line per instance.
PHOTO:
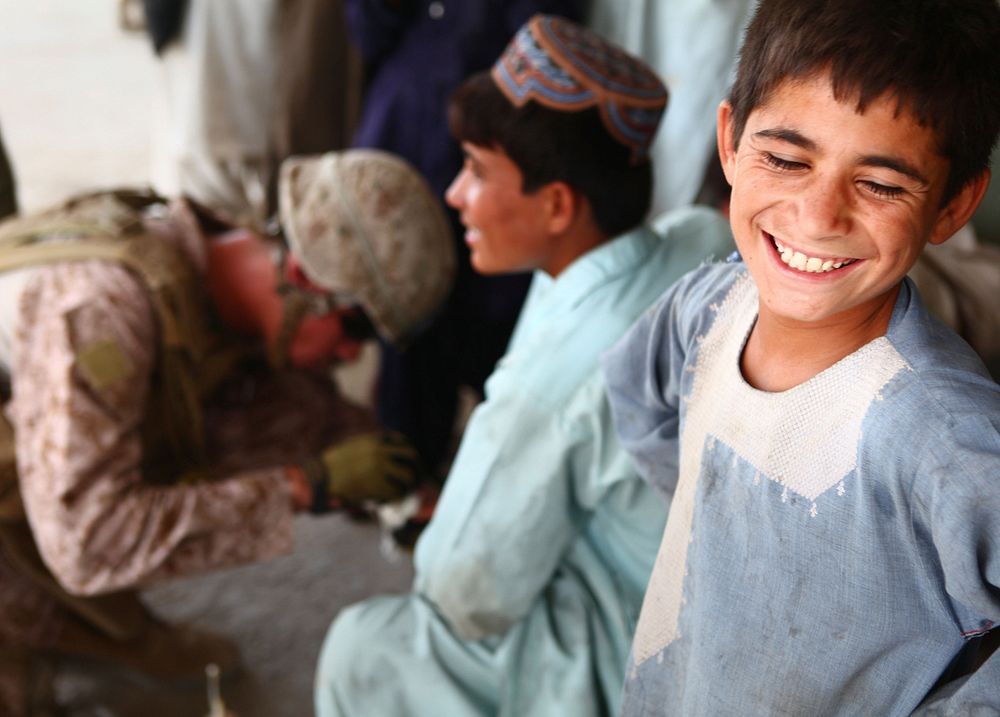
(109, 226)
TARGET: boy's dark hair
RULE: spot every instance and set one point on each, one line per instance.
(552, 146)
(939, 58)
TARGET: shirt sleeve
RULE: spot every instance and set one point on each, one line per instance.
(82, 364)
(642, 372)
(523, 482)
(958, 504)
(648, 369)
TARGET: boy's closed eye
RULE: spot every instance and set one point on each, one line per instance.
(882, 191)
(879, 189)
(785, 165)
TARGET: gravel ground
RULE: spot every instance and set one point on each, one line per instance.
(277, 612)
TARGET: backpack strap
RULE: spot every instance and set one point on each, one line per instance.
(109, 227)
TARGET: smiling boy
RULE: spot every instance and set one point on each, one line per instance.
(832, 452)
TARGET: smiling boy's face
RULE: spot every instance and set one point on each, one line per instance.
(504, 226)
(830, 208)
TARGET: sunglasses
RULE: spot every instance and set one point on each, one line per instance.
(296, 288)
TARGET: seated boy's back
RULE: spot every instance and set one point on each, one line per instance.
(530, 575)
(539, 464)
(832, 452)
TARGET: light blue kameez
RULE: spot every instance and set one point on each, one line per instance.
(692, 45)
(530, 576)
(831, 548)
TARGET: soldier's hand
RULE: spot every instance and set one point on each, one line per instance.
(380, 466)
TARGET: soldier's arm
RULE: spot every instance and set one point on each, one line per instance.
(83, 357)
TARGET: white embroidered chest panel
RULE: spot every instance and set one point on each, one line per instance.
(804, 439)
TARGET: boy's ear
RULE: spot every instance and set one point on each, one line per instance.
(960, 209)
(724, 138)
(562, 205)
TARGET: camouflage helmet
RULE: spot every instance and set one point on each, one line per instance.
(364, 225)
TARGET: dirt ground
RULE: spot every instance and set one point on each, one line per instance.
(77, 100)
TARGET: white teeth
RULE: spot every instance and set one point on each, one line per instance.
(808, 264)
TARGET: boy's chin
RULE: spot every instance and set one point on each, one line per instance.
(809, 310)
(488, 268)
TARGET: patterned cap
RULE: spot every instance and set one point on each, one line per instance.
(566, 67)
(363, 223)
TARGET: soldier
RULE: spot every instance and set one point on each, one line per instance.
(168, 411)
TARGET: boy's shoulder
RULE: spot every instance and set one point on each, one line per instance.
(692, 304)
(941, 365)
(945, 393)
(557, 348)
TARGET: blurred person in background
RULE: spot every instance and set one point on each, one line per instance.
(247, 84)
(170, 407)
(692, 44)
(8, 188)
(416, 53)
(317, 81)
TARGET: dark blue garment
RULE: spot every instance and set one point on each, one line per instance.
(416, 57)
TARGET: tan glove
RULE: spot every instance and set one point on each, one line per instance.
(379, 466)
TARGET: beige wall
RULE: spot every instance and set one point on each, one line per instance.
(75, 97)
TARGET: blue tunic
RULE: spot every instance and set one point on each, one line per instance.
(530, 576)
(418, 56)
(830, 548)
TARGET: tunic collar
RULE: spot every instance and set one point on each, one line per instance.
(549, 297)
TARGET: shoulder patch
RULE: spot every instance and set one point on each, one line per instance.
(103, 363)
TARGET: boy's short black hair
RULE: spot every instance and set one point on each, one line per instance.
(939, 58)
(552, 146)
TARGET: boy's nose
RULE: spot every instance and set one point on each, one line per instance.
(825, 210)
(453, 195)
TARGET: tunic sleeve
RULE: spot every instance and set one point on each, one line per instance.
(648, 369)
(642, 372)
(524, 481)
(957, 501)
(83, 355)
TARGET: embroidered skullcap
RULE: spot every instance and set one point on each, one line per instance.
(363, 223)
(569, 68)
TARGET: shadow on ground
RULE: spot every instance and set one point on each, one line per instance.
(277, 612)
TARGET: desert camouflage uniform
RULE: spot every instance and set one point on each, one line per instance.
(84, 363)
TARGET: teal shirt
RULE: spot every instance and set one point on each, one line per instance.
(530, 576)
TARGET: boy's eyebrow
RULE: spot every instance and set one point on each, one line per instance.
(873, 160)
(896, 165)
(787, 135)
(469, 154)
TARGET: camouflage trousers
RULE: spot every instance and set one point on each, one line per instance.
(39, 619)
(31, 620)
